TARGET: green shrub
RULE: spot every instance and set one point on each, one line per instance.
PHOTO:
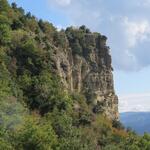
(5, 34)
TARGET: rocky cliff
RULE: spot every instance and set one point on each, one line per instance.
(84, 65)
(56, 88)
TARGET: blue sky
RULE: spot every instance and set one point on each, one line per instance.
(127, 26)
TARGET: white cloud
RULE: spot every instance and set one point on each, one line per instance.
(135, 103)
(126, 25)
(62, 3)
(145, 3)
(136, 31)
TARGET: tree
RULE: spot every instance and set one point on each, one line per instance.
(60, 39)
(4, 20)
(5, 35)
(17, 24)
(35, 134)
(31, 25)
(14, 5)
(117, 124)
(84, 29)
(76, 48)
(5, 145)
(48, 29)
(28, 15)
(4, 6)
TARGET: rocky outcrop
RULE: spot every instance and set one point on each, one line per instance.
(89, 73)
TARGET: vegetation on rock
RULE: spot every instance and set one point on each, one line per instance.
(36, 111)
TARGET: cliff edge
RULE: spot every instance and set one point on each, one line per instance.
(84, 65)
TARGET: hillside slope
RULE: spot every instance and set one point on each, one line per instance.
(56, 88)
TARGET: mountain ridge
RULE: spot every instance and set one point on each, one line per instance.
(138, 121)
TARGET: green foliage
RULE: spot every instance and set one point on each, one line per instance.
(18, 38)
(117, 124)
(14, 5)
(4, 144)
(86, 30)
(17, 24)
(45, 94)
(111, 147)
(76, 47)
(31, 24)
(75, 38)
(5, 34)
(4, 20)
(11, 112)
(69, 137)
(4, 6)
(60, 39)
(99, 107)
(28, 57)
(81, 40)
(35, 134)
(48, 29)
(36, 113)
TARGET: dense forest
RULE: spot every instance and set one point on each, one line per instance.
(36, 112)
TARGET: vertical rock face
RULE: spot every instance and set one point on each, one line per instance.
(89, 73)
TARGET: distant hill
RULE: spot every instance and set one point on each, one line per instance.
(138, 121)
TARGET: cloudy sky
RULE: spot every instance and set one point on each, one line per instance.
(127, 26)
